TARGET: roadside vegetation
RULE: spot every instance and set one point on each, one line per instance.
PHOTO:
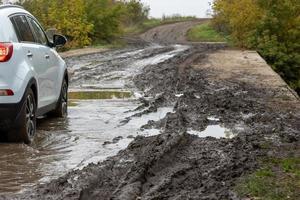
(269, 26)
(272, 28)
(277, 179)
(87, 22)
(206, 33)
(99, 23)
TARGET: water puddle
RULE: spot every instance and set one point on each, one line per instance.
(116, 70)
(215, 131)
(105, 94)
(63, 145)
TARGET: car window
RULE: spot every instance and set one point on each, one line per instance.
(22, 29)
(38, 31)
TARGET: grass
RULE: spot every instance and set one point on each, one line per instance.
(277, 179)
(205, 33)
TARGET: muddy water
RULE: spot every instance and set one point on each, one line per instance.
(114, 70)
(103, 95)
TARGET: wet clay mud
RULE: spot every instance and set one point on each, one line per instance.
(202, 130)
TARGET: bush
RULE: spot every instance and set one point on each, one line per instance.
(269, 26)
(87, 21)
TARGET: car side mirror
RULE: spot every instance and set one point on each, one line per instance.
(59, 40)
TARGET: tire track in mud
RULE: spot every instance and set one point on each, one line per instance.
(116, 69)
(176, 164)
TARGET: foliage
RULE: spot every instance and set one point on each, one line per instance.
(105, 16)
(238, 18)
(72, 22)
(205, 33)
(57, 14)
(269, 26)
(87, 21)
(277, 37)
(135, 13)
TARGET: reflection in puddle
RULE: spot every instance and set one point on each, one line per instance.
(105, 94)
(215, 131)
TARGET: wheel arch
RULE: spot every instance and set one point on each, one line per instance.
(66, 76)
(33, 86)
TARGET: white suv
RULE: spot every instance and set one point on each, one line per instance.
(33, 77)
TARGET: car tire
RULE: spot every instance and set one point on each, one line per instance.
(61, 109)
(27, 120)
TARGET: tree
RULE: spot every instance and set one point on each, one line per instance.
(87, 21)
(277, 38)
(135, 13)
(239, 18)
(67, 16)
(70, 18)
(269, 26)
(105, 16)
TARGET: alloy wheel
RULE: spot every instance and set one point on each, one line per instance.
(30, 116)
(64, 100)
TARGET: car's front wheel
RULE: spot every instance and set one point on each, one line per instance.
(27, 124)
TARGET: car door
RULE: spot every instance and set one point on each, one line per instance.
(47, 72)
(31, 52)
(47, 69)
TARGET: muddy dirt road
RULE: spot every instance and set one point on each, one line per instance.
(93, 120)
(171, 33)
(194, 119)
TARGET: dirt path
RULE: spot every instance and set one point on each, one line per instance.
(171, 33)
(227, 107)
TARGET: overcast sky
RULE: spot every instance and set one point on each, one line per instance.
(184, 7)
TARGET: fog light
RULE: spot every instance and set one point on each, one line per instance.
(6, 93)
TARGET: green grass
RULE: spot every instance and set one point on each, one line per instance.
(278, 179)
(205, 33)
